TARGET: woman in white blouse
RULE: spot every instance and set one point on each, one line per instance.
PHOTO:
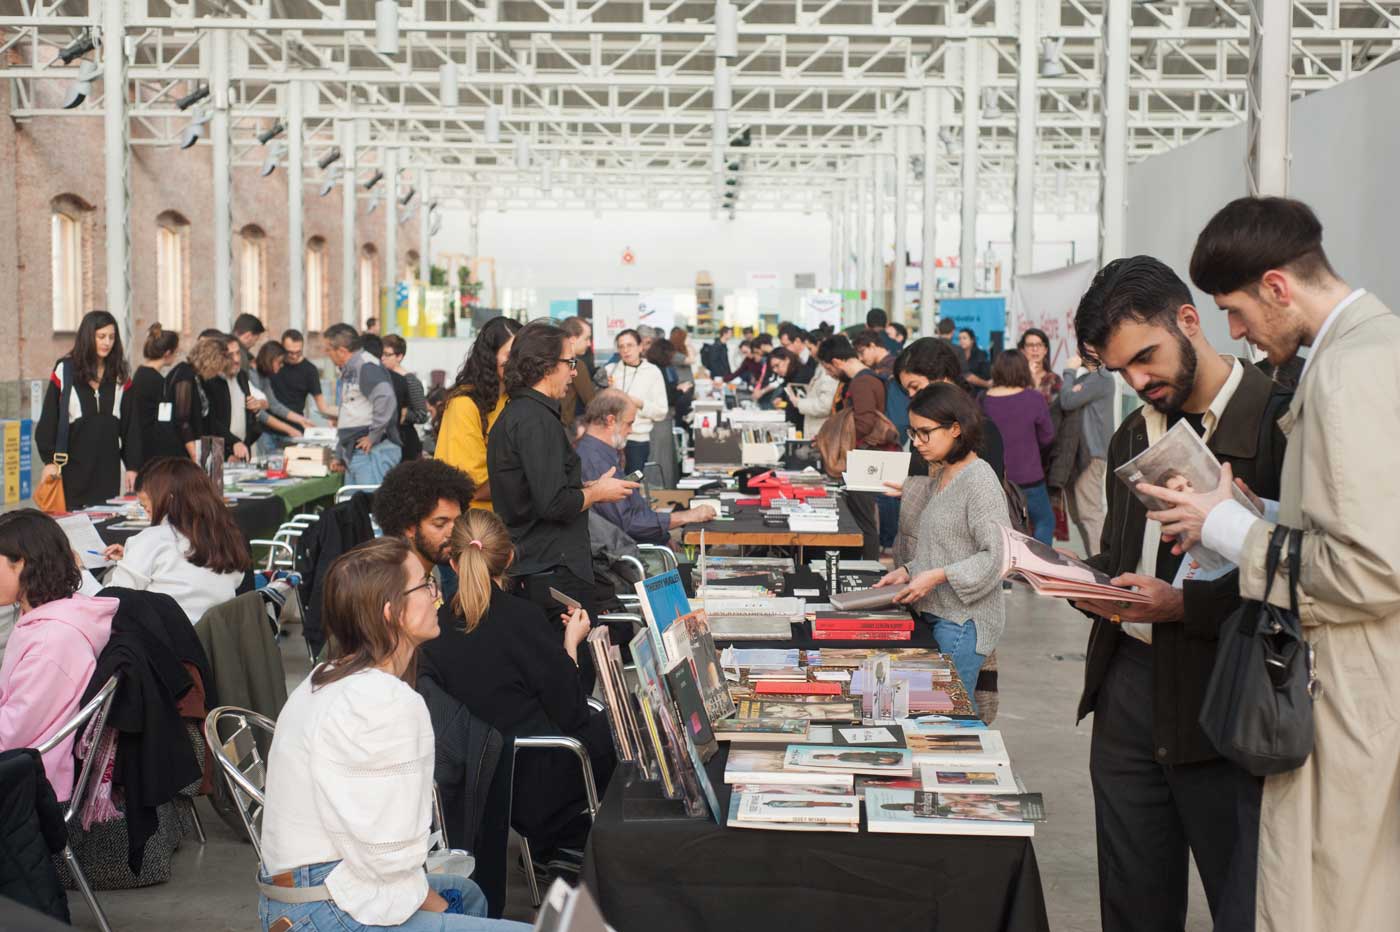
(350, 773)
(646, 386)
(193, 551)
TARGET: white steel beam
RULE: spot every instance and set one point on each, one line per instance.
(389, 322)
(1027, 109)
(862, 248)
(928, 276)
(899, 309)
(879, 159)
(218, 48)
(1270, 75)
(296, 238)
(971, 113)
(115, 158)
(349, 139)
(425, 229)
(1117, 39)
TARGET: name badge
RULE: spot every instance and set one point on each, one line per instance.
(164, 411)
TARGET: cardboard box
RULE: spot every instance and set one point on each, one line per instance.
(308, 462)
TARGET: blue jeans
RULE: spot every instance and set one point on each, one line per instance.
(636, 455)
(370, 468)
(1041, 513)
(888, 509)
(325, 916)
(959, 641)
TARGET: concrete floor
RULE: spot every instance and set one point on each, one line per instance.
(1041, 671)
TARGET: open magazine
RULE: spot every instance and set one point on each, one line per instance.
(1181, 461)
(1052, 573)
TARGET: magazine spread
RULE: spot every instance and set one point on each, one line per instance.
(1055, 574)
(764, 766)
(887, 761)
(1182, 462)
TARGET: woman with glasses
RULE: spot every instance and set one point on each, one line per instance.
(350, 773)
(516, 667)
(949, 548)
(643, 382)
(1035, 347)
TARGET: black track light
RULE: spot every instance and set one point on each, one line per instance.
(328, 159)
(77, 48)
(193, 97)
(272, 132)
(374, 179)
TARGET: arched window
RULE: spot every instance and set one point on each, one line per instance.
(252, 249)
(172, 270)
(68, 255)
(369, 283)
(317, 285)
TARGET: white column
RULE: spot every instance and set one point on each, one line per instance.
(898, 306)
(425, 229)
(834, 215)
(1270, 74)
(349, 139)
(928, 290)
(389, 320)
(1113, 155)
(296, 239)
(877, 225)
(1027, 108)
(115, 157)
(862, 192)
(972, 89)
(222, 166)
(474, 241)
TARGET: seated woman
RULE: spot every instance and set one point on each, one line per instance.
(948, 550)
(509, 664)
(53, 649)
(350, 774)
(193, 551)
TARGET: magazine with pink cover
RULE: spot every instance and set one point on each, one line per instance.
(1052, 573)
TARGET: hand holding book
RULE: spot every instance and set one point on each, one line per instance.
(1166, 605)
(1183, 521)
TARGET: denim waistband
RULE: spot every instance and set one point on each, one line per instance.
(309, 875)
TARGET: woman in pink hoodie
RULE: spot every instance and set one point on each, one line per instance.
(53, 649)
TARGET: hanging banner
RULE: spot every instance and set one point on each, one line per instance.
(821, 308)
(613, 313)
(1048, 300)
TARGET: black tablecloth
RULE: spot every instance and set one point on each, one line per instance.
(691, 875)
(748, 519)
(256, 517)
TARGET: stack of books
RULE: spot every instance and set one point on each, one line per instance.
(826, 627)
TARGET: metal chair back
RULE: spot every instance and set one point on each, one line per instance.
(240, 761)
(346, 492)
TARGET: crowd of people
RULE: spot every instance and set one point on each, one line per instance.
(488, 491)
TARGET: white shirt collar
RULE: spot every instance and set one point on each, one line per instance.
(1326, 325)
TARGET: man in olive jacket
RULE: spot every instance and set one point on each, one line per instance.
(1160, 788)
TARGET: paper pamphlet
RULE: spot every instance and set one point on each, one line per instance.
(869, 470)
(86, 542)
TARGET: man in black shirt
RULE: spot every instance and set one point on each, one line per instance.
(1160, 788)
(536, 477)
(299, 378)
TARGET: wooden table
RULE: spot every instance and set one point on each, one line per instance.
(748, 530)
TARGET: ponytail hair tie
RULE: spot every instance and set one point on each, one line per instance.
(474, 543)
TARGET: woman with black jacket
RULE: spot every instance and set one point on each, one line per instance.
(102, 433)
(512, 667)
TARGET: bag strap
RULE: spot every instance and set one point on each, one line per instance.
(1271, 563)
(65, 398)
(1295, 561)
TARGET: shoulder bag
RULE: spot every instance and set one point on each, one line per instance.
(1258, 706)
(49, 495)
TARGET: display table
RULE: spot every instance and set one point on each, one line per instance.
(691, 875)
(747, 529)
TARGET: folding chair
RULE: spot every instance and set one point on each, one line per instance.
(347, 492)
(590, 789)
(96, 711)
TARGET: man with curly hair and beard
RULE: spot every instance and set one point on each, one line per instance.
(419, 501)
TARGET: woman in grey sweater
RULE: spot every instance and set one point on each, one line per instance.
(949, 549)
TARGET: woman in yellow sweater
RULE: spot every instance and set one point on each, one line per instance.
(474, 403)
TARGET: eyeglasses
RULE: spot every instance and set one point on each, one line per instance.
(430, 584)
(925, 434)
(571, 361)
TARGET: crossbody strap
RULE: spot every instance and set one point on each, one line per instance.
(1295, 563)
(1276, 540)
(65, 398)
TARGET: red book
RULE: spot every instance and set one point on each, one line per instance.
(860, 635)
(779, 688)
(864, 624)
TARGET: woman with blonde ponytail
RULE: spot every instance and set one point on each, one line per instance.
(517, 669)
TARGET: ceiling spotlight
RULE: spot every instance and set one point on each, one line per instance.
(325, 161)
(436, 225)
(193, 97)
(989, 103)
(386, 27)
(493, 124)
(195, 131)
(81, 89)
(77, 48)
(1050, 51)
(407, 197)
(733, 166)
(743, 140)
(447, 84)
(272, 132)
(374, 179)
(373, 203)
(332, 179)
(274, 154)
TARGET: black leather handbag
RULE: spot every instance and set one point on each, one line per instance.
(1258, 707)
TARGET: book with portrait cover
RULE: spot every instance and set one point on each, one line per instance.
(765, 765)
(958, 746)
(680, 681)
(782, 731)
(890, 762)
(813, 809)
(994, 778)
(816, 709)
(736, 800)
(920, 812)
(651, 688)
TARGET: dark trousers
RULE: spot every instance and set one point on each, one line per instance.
(862, 506)
(1149, 815)
(888, 508)
(535, 587)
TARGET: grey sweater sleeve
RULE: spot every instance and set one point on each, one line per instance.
(975, 576)
(417, 401)
(376, 385)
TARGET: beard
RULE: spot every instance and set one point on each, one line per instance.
(440, 555)
(1180, 385)
(619, 441)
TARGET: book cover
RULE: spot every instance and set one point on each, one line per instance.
(787, 688)
(827, 634)
(1043, 566)
(761, 730)
(690, 706)
(895, 762)
(887, 783)
(994, 778)
(658, 701)
(653, 734)
(818, 710)
(961, 746)
(735, 800)
(663, 600)
(845, 623)
(598, 647)
(680, 632)
(919, 812)
(872, 736)
(765, 765)
(816, 808)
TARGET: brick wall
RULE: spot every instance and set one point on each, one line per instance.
(51, 157)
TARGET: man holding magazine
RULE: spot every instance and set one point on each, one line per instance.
(1160, 788)
(1329, 851)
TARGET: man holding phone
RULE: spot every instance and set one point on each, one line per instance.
(606, 424)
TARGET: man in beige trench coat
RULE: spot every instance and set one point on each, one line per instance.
(1329, 834)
